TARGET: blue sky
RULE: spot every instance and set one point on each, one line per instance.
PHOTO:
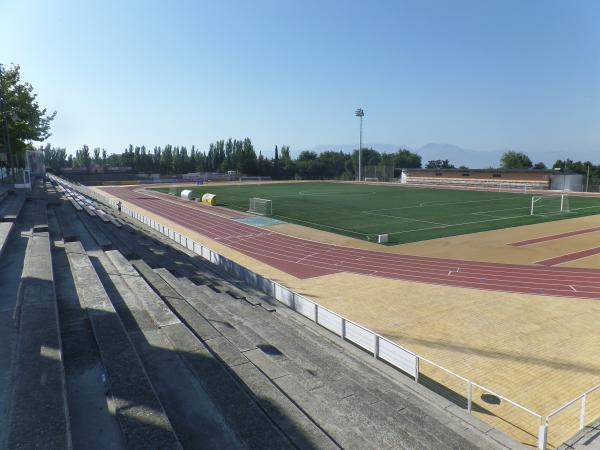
(481, 74)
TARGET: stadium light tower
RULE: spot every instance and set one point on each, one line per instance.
(360, 114)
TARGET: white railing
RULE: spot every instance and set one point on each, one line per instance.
(380, 347)
(582, 398)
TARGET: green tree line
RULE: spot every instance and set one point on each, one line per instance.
(231, 154)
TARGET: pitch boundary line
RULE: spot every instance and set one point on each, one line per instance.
(438, 203)
(401, 218)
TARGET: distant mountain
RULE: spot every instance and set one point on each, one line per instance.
(458, 156)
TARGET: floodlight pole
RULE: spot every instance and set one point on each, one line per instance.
(360, 114)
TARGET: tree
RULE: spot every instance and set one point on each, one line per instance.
(82, 158)
(25, 119)
(539, 166)
(54, 158)
(405, 159)
(515, 160)
(439, 164)
(276, 163)
(286, 163)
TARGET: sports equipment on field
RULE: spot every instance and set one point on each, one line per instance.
(260, 206)
(549, 204)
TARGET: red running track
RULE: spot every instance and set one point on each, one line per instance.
(305, 259)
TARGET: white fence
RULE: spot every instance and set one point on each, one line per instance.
(395, 355)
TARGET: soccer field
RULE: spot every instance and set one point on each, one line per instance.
(406, 214)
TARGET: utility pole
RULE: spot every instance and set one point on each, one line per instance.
(360, 114)
(4, 116)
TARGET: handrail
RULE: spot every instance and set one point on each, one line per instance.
(569, 403)
(483, 388)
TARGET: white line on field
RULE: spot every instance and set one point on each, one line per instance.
(400, 217)
(460, 224)
(438, 203)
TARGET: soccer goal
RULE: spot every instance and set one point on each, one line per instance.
(260, 206)
(371, 180)
(549, 204)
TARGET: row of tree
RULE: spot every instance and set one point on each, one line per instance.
(240, 156)
(231, 155)
(518, 160)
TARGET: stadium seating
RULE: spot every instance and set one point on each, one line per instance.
(479, 184)
(115, 337)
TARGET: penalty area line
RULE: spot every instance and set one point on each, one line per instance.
(401, 218)
(459, 224)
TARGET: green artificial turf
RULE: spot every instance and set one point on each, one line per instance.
(407, 214)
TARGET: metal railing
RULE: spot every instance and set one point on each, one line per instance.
(382, 348)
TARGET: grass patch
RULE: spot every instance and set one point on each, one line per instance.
(407, 214)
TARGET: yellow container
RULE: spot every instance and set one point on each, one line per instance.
(209, 199)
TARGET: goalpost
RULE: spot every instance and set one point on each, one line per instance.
(549, 204)
(260, 206)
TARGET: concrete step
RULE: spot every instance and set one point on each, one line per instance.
(138, 410)
(178, 389)
(184, 310)
(95, 230)
(38, 411)
(11, 268)
(5, 229)
(11, 206)
(93, 426)
(294, 422)
(221, 320)
(195, 419)
(40, 218)
(157, 309)
(66, 219)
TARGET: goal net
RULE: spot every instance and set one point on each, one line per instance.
(261, 206)
(549, 204)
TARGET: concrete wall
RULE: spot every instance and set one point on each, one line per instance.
(568, 182)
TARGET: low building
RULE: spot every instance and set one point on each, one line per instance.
(518, 179)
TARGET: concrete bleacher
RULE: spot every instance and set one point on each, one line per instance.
(119, 338)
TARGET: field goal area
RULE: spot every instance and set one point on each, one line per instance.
(549, 204)
(260, 206)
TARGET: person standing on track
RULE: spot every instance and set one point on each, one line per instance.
(119, 206)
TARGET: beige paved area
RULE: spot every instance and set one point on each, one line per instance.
(538, 351)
